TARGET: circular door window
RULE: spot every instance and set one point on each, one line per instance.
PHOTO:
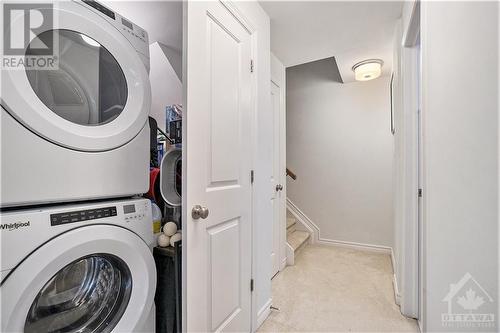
(88, 87)
(88, 295)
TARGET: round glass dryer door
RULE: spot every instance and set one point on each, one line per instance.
(87, 88)
(96, 97)
(87, 295)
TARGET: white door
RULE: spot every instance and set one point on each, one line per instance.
(217, 167)
(278, 255)
(276, 178)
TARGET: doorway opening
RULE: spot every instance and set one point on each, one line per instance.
(350, 179)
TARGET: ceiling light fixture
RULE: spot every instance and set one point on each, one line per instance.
(367, 69)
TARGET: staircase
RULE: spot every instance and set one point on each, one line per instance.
(296, 235)
(295, 238)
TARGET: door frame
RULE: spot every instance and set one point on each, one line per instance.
(278, 77)
(411, 228)
(252, 30)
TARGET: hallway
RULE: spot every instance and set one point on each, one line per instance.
(336, 289)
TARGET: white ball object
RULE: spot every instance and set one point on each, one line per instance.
(163, 240)
(170, 228)
(175, 238)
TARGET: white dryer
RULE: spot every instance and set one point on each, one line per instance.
(78, 132)
(78, 268)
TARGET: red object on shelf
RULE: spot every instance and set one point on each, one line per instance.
(154, 179)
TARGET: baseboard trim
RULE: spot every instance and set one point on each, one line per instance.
(283, 264)
(263, 313)
(393, 261)
(397, 296)
(356, 246)
(290, 255)
(395, 286)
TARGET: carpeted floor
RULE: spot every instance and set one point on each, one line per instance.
(335, 289)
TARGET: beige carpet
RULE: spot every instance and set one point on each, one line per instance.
(334, 289)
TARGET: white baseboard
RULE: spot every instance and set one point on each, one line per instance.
(283, 264)
(393, 261)
(263, 313)
(356, 246)
(397, 294)
(290, 255)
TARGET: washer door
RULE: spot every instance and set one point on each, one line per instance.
(99, 97)
(97, 278)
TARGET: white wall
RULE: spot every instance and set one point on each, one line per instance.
(166, 88)
(340, 146)
(460, 90)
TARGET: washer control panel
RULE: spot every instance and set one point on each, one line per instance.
(119, 213)
(133, 212)
(82, 215)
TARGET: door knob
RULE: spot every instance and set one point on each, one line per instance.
(279, 187)
(199, 211)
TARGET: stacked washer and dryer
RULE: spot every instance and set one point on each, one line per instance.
(75, 239)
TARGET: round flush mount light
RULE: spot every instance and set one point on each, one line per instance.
(367, 69)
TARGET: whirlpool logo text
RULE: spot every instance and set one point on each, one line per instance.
(14, 226)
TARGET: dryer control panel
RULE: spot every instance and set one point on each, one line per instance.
(137, 36)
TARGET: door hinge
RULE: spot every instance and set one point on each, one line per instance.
(251, 176)
(419, 192)
(251, 66)
(251, 284)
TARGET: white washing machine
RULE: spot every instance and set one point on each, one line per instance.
(78, 132)
(78, 268)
